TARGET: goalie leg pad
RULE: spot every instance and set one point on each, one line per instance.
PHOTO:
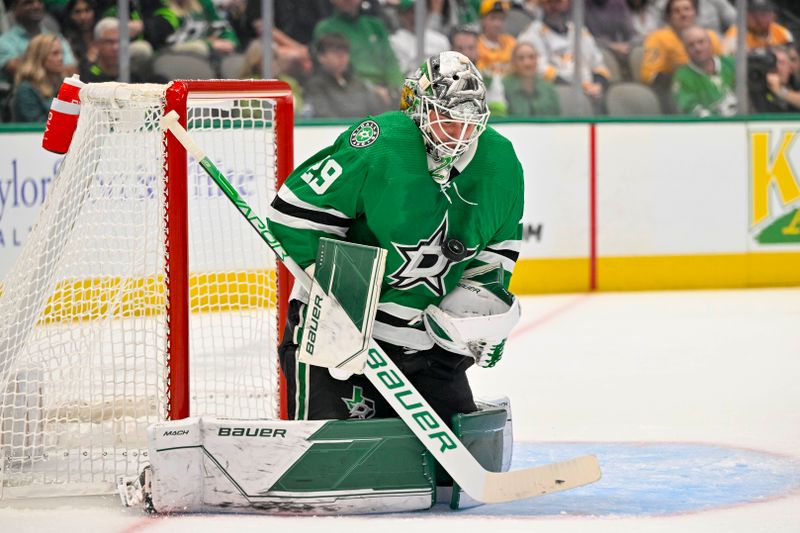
(274, 466)
(488, 434)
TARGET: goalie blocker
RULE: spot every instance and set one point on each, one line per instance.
(314, 467)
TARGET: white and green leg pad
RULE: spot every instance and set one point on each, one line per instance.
(275, 466)
(488, 434)
(316, 467)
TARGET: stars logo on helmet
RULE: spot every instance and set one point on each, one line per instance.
(424, 263)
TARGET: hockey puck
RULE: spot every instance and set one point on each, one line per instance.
(454, 250)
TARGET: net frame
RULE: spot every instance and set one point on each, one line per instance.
(176, 162)
(177, 389)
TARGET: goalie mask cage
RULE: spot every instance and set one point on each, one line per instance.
(141, 294)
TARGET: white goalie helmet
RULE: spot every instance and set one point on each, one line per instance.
(446, 97)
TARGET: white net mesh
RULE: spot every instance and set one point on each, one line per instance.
(83, 325)
(232, 268)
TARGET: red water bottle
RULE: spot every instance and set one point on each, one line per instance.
(63, 117)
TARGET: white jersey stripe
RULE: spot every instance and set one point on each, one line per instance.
(410, 337)
(514, 245)
(415, 339)
(302, 223)
(490, 257)
(400, 311)
(288, 196)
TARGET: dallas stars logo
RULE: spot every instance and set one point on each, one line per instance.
(359, 406)
(365, 134)
(424, 264)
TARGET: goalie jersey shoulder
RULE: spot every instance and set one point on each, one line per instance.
(389, 136)
(497, 161)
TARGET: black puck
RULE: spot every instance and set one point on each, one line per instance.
(454, 250)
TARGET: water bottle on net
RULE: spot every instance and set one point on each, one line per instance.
(63, 117)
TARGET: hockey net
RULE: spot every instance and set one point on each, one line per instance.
(141, 294)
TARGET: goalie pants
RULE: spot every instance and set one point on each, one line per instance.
(312, 394)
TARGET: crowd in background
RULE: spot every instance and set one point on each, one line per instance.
(348, 58)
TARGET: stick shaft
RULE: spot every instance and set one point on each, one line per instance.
(170, 122)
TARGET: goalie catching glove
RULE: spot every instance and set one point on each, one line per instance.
(476, 317)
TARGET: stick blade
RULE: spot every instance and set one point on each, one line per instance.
(518, 484)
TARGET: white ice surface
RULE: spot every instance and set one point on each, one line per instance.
(715, 367)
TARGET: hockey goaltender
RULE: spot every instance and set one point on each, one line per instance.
(403, 235)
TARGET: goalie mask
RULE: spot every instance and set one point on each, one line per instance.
(446, 97)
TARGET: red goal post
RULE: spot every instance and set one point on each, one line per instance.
(177, 96)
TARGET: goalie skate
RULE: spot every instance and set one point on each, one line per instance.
(137, 491)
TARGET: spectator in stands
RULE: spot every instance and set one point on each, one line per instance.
(335, 90)
(794, 60)
(762, 30)
(521, 14)
(527, 93)
(293, 19)
(4, 23)
(28, 16)
(464, 39)
(295, 55)
(56, 10)
(788, 14)
(717, 15)
(645, 17)
(297, 19)
(292, 33)
(404, 40)
(553, 38)
(144, 29)
(376, 8)
(79, 29)
(281, 69)
(494, 45)
(664, 51)
(140, 12)
(235, 13)
(371, 54)
(191, 26)
(446, 15)
(706, 85)
(611, 25)
(105, 67)
(38, 78)
(778, 96)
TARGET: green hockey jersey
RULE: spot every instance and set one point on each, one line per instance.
(373, 186)
(702, 94)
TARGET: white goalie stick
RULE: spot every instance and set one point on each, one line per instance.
(413, 409)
